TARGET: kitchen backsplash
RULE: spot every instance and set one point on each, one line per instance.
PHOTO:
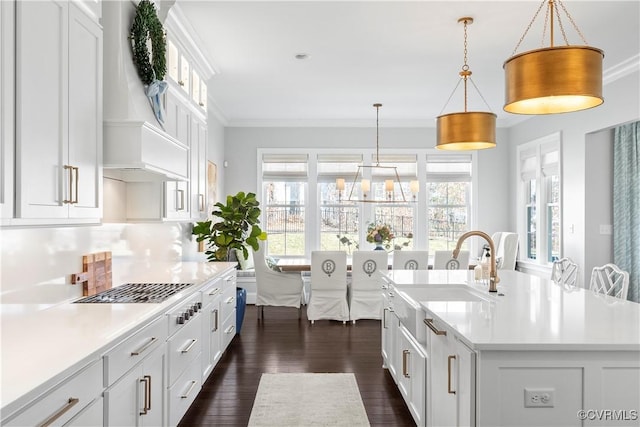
(36, 263)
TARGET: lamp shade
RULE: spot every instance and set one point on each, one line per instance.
(554, 80)
(469, 130)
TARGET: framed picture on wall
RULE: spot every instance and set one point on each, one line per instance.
(212, 187)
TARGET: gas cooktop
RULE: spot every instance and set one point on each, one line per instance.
(136, 293)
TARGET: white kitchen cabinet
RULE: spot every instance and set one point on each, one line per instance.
(412, 375)
(451, 379)
(390, 327)
(91, 416)
(211, 327)
(7, 108)
(60, 404)
(228, 309)
(58, 113)
(138, 398)
(198, 147)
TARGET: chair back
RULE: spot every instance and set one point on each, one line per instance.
(328, 270)
(365, 267)
(506, 250)
(565, 272)
(443, 260)
(411, 260)
(610, 280)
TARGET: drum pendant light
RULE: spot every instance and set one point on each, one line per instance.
(555, 79)
(468, 130)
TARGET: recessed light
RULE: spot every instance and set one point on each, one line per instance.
(302, 56)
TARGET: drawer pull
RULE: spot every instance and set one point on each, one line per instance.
(191, 387)
(449, 359)
(230, 329)
(429, 323)
(144, 347)
(405, 354)
(201, 202)
(70, 404)
(190, 346)
(147, 394)
(230, 300)
(215, 291)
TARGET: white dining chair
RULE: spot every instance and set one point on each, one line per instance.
(328, 286)
(365, 295)
(564, 272)
(506, 250)
(610, 280)
(275, 288)
(411, 260)
(443, 260)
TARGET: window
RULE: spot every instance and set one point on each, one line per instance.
(284, 181)
(539, 195)
(449, 195)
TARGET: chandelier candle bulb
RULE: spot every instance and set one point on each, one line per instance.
(340, 184)
(388, 185)
(414, 186)
(366, 185)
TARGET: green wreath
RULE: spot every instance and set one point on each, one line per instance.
(147, 26)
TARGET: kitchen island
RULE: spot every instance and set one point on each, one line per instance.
(534, 353)
(43, 345)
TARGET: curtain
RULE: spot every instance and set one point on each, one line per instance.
(626, 204)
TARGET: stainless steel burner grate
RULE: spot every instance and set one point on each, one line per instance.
(136, 293)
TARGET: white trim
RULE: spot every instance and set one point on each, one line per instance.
(621, 69)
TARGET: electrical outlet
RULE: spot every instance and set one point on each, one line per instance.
(538, 397)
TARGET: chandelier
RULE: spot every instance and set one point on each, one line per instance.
(555, 79)
(468, 130)
(391, 182)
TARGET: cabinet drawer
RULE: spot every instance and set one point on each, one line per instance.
(184, 347)
(228, 302)
(133, 349)
(184, 391)
(228, 329)
(91, 416)
(212, 291)
(65, 401)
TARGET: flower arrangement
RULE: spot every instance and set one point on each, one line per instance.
(380, 234)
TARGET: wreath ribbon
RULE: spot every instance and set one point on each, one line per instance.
(154, 91)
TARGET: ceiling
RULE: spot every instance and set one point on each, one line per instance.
(403, 54)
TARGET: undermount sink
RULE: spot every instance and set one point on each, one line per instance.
(443, 293)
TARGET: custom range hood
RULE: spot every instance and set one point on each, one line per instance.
(136, 147)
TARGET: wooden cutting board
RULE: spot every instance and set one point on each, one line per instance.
(96, 273)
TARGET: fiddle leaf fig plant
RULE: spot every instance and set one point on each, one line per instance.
(236, 228)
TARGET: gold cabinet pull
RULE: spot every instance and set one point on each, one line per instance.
(429, 323)
(70, 199)
(190, 346)
(214, 291)
(186, 395)
(144, 347)
(180, 207)
(230, 329)
(77, 171)
(449, 359)
(201, 202)
(215, 320)
(70, 404)
(384, 318)
(147, 394)
(405, 364)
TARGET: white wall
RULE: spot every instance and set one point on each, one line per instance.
(622, 105)
(241, 146)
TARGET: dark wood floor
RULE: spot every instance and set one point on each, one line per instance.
(281, 343)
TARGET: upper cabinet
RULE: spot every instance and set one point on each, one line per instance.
(7, 108)
(58, 149)
(183, 73)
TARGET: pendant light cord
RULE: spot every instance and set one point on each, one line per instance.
(377, 133)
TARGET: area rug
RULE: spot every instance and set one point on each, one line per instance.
(287, 400)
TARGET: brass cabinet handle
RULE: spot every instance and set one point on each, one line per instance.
(70, 404)
(429, 323)
(70, 199)
(186, 395)
(201, 202)
(180, 82)
(214, 292)
(180, 207)
(230, 329)
(147, 394)
(144, 347)
(230, 300)
(384, 318)
(77, 171)
(449, 359)
(405, 355)
(190, 346)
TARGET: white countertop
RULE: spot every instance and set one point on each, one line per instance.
(531, 314)
(41, 343)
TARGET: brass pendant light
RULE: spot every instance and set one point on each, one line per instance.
(555, 79)
(468, 130)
